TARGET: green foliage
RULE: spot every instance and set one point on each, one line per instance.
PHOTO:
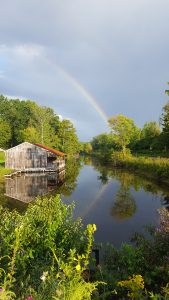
(150, 138)
(123, 131)
(135, 285)
(148, 258)
(103, 146)
(27, 121)
(150, 130)
(17, 114)
(158, 167)
(5, 133)
(41, 254)
(4, 171)
(45, 254)
(2, 157)
(69, 141)
(165, 125)
(72, 169)
(86, 148)
(29, 134)
(124, 206)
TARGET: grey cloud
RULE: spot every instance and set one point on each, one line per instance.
(117, 49)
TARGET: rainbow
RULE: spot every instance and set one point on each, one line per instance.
(83, 91)
(96, 199)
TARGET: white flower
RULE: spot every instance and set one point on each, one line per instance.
(44, 275)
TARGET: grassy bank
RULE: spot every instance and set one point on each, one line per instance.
(2, 158)
(3, 171)
(154, 167)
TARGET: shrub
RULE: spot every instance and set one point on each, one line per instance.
(44, 252)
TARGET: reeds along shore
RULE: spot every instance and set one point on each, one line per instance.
(155, 166)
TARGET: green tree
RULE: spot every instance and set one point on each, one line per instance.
(42, 118)
(103, 142)
(68, 137)
(150, 130)
(165, 124)
(17, 114)
(37, 124)
(5, 133)
(123, 130)
(87, 148)
(29, 134)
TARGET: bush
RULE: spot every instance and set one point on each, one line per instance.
(44, 252)
(147, 258)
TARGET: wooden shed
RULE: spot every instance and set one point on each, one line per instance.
(27, 157)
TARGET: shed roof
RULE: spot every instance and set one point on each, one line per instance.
(51, 150)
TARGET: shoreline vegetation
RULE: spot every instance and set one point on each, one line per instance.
(3, 170)
(125, 139)
(156, 168)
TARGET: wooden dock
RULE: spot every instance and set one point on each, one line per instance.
(34, 170)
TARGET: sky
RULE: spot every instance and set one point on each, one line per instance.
(87, 59)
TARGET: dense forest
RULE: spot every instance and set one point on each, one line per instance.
(27, 121)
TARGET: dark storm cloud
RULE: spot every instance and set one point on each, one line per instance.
(117, 49)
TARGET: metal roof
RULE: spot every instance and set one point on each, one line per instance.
(59, 153)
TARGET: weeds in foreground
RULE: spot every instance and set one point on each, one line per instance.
(45, 254)
(41, 256)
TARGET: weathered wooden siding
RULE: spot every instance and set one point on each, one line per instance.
(25, 156)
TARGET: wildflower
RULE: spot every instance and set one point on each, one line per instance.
(43, 277)
(58, 292)
(94, 227)
(78, 267)
(29, 298)
(1, 290)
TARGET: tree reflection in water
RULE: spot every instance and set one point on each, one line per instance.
(72, 170)
(125, 205)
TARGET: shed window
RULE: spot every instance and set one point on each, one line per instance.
(29, 153)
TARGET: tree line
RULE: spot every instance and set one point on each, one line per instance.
(27, 121)
(125, 136)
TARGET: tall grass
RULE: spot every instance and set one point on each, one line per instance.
(3, 171)
(156, 166)
(2, 157)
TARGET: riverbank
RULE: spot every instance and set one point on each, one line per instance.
(151, 167)
(3, 170)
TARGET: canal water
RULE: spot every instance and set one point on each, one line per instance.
(120, 203)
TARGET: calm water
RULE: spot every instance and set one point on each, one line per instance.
(118, 202)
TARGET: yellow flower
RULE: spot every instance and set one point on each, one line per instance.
(94, 227)
(78, 267)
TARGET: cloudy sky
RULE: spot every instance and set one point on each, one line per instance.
(87, 59)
